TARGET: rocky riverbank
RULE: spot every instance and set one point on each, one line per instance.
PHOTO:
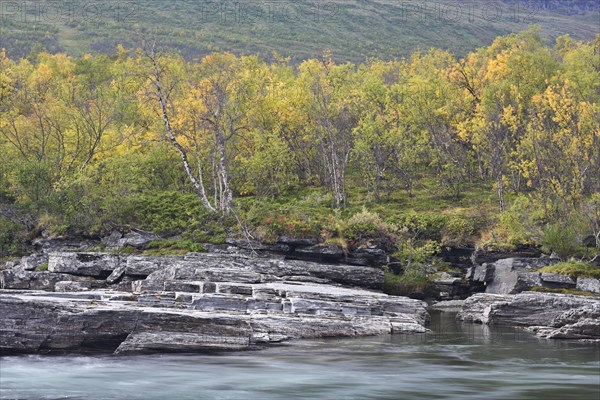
(200, 302)
(243, 296)
(548, 315)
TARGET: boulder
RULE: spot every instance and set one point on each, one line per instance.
(136, 239)
(117, 274)
(483, 273)
(557, 281)
(449, 287)
(367, 257)
(96, 265)
(61, 245)
(481, 256)
(111, 242)
(327, 253)
(33, 261)
(513, 275)
(458, 256)
(547, 314)
(16, 279)
(139, 267)
(77, 286)
(588, 285)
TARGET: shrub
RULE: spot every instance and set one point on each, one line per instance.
(516, 227)
(367, 225)
(172, 247)
(13, 238)
(416, 254)
(561, 240)
(458, 230)
(167, 212)
(291, 225)
(422, 226)
(411, 283)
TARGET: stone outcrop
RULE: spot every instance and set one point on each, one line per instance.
(306, 249)
(38, 280)
(555, 316)
(200, 302)
(33, 261)
(515, 275)
(96, 265)
(588, 285)
(480, 256)
(198, 320)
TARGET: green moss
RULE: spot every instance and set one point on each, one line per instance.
(574, 269)
(541, 289)
(43, 267)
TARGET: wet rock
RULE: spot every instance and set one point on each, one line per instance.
(458, 256)
(199, 302)
(449, 287)
(8, 265)
(548, 315)
(448, 305)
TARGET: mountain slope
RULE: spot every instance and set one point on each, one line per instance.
(352, 29)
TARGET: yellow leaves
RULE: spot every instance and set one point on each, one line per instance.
(121, 52)
(498, 67)
(509, 118)
(41, 77)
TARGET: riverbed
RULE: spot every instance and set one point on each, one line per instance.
(455, 361)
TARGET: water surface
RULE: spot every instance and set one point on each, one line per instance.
(458, 361)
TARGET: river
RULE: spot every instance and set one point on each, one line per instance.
(456, 361)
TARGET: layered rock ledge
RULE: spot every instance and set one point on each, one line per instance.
(552, 316)
(201, 302)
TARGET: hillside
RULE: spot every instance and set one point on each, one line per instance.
(353, 29)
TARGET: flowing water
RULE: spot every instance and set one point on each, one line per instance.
(457, 361)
